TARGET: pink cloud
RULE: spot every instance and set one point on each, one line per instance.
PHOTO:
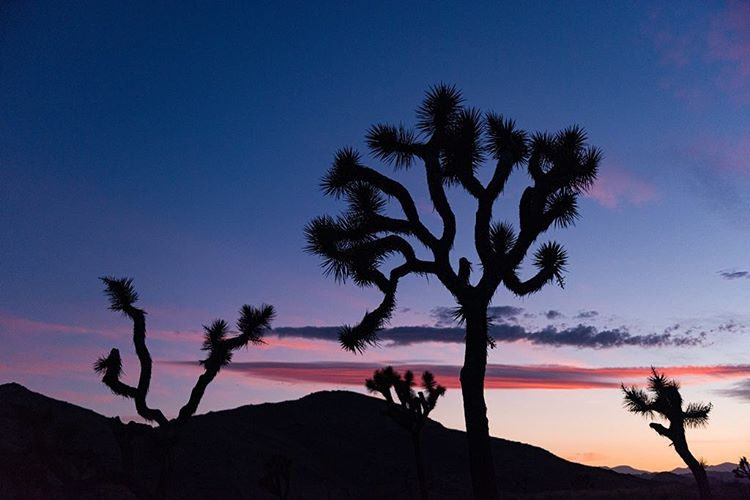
(498, 376)
(16, 324)
(726, 155)
(718, 44)
(615, 186)
(728, 41)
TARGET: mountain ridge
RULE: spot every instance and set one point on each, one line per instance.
(340, 445)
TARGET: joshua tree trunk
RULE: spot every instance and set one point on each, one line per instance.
(197, 394)
(420, 466)
(144, 380)
(699, 472)
(475, 409)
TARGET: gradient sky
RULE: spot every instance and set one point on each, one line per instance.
(182, 144)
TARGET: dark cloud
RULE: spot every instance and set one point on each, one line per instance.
(508, 312)
(740, 390)
(730, 326)
(587, 314)
(446, 316)
(577, 336)
(590, 336)
(552, 314)
(734, 275)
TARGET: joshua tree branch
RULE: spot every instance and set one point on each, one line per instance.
(482, 235)
(111, 369)
(496, 185)
(661, 430)
(531, 285)
(440, 200)
(472, 185)
(397, 190)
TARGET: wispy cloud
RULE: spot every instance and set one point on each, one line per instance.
(734, 274)
(728, 155)
(728, 41)
(19, 325)
(717, 44)
(740, 390)
(499, 376)
(582, 336)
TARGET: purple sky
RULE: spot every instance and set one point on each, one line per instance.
(182, 145)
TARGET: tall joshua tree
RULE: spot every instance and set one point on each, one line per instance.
(413, 408)
(452, 142)
(665, 401)
(122, 296)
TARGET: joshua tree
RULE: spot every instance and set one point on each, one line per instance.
(743, 469)
(665, 401)
(252, 324)
(413, 408)
(452, 142)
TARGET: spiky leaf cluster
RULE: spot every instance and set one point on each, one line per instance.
(502, 237)
(663, 399)
(551, 259)
(506, 142)
(438, 112)
(391, 144)
(254, 321)
(252, 324)
(109, 366)
(563, 160)
(356, 338)
(121, 293)
(214, 342)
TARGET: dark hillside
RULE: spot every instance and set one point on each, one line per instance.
(339, 443)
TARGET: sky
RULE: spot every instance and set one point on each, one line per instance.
(182, 144)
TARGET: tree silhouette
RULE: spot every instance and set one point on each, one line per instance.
(413, 408)
(452, 142)
(743, 469)
(122, 296)
(665, 401)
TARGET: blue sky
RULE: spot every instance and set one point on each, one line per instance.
(182, 144)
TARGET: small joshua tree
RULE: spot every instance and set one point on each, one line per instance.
(742, 470)
(665, 402)
(413, 408)
(122, 296)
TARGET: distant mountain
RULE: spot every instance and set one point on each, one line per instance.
(725, 467)
(340, 445)
(626, 469)
(721, 471)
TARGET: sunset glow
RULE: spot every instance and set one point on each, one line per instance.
(184, 146)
